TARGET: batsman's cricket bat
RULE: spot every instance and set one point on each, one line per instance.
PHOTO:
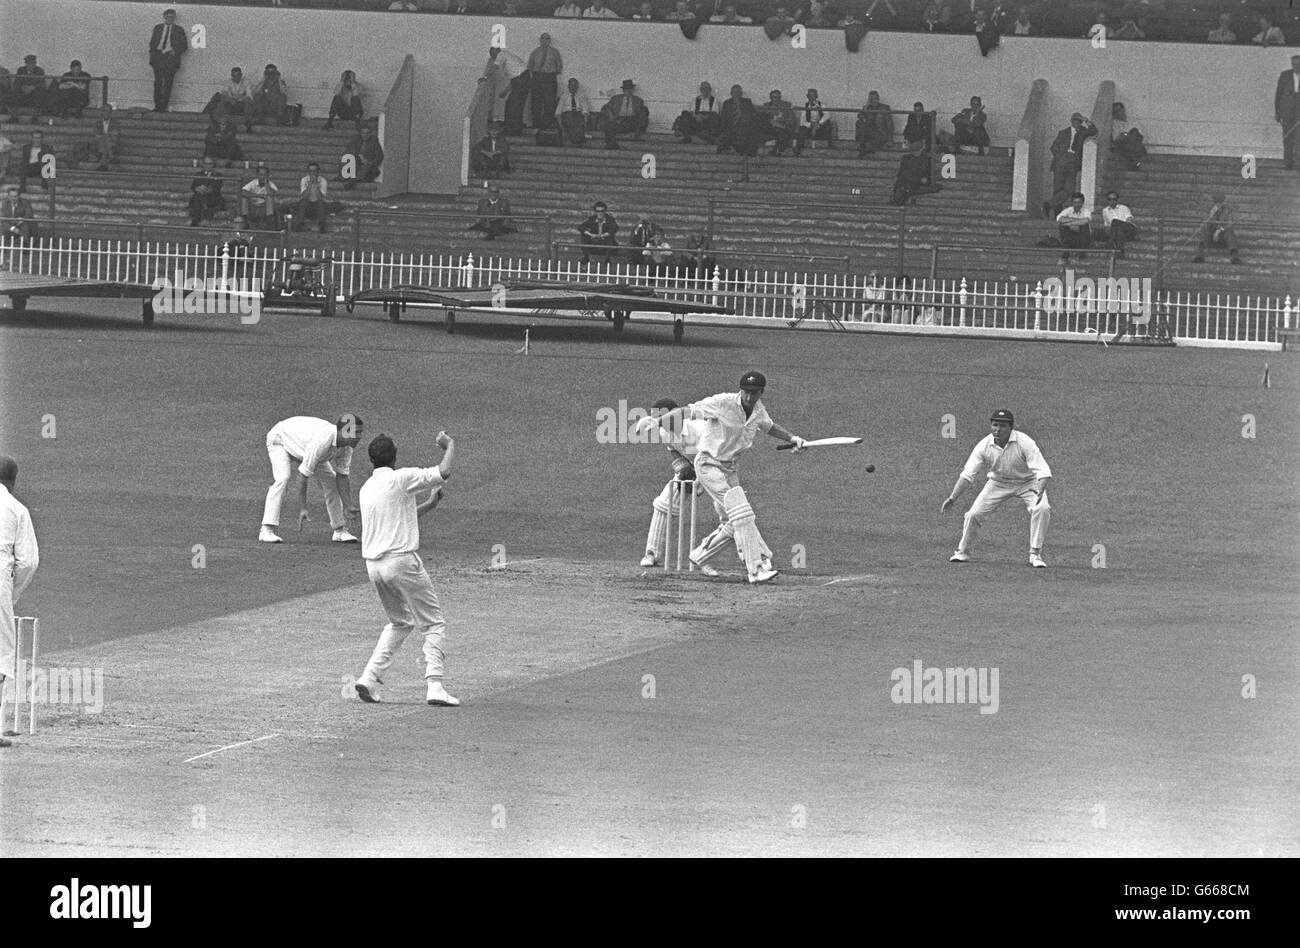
(820, 443)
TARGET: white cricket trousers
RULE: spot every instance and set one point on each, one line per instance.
(7, 640)
(408, 597)
(281, 470)
(992, 497)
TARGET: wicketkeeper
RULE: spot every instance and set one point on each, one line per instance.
(682, 447)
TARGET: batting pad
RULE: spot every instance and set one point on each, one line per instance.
(749, 542)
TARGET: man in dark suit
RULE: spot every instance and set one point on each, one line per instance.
(30, 87)
(205, 193)
(16, 215)
(166, 47)
(34, 161)
(1286, 108)
(739, 121)
(625, 113)
(1067, 161)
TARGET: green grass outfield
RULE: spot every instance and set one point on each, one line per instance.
(1121, 727)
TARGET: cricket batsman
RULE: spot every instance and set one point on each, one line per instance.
(1016, 469)
(732, 419)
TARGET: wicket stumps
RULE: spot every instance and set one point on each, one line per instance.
(20, 680)
(677, 494)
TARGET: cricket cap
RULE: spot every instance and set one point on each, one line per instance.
(755, 380)
(1003, 415)
(665, 403)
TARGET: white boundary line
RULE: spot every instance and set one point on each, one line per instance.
(229, 747)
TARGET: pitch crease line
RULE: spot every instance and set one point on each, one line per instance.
(230, 747)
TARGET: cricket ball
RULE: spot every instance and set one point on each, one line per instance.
(870, 468)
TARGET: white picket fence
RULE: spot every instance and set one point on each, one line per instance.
(1082, 309)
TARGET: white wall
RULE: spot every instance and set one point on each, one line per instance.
(1209, 99)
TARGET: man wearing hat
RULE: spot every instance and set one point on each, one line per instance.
(167, 45)
(1015, 469)
(732, 419)
(29, 87)
(1067, 160)
(625, 113)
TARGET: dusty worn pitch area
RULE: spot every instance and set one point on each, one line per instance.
(226, 727)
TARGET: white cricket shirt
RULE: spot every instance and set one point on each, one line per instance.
(1017, 463)
(727, 431)
(19, 554)
(388, 521)
(688, 442)
(313, 442)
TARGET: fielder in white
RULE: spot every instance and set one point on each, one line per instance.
(682, 448)
(1016, 469)
(732, 419)
(323, 450)
(390, 544)
(19, 557)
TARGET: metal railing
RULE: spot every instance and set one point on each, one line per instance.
(1079, 308)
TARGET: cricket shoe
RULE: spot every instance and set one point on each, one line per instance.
(438, 697)
(342, 536)
(707, 570)
(267, 535)
(1036, 561)
(764, 574)
(649, 559)
(959, 557)
(367, 693)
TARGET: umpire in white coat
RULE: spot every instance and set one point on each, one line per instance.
(19, 557)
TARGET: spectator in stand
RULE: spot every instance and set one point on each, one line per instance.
(16, 219)
(1101, 26)
(167, 44)
(257, 199)
(987, 35)
(879, 17)
(346, 104)
(598, 234)
(646, 12)
(313, 194)
(682, 11)
(221, 142)
(738, 120)
(914, 177)
(700, 118)
(1023, 25)
(873, 298)
(697, 256)
(1286, 110)
(568, 9)
(72, 92)
(205, 193)
(1125, 139)
(1217, 230)
(494, 215)
(35, 155)
(544, 66)
(1224, 33)
(814, 17)
(368, 158)
(511, 8)
(1074, 225)
(514, 82)
(875, 126)
(6, 150)
(624, 113)
(730, 17)
(404, 6)
(1132, 28)
(6, 93)
(1067, 161)
(598, 11)
(781, 123)
(968, 126)
(1117, 220)
(270, 100)
(919, 126)
(236, 244)
(106, 138)
(645, 236)
(813, 124)
(930, 20)
(1268, 35)
(491, 157)
(572, 112)
(30, 88)
(234, 98)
